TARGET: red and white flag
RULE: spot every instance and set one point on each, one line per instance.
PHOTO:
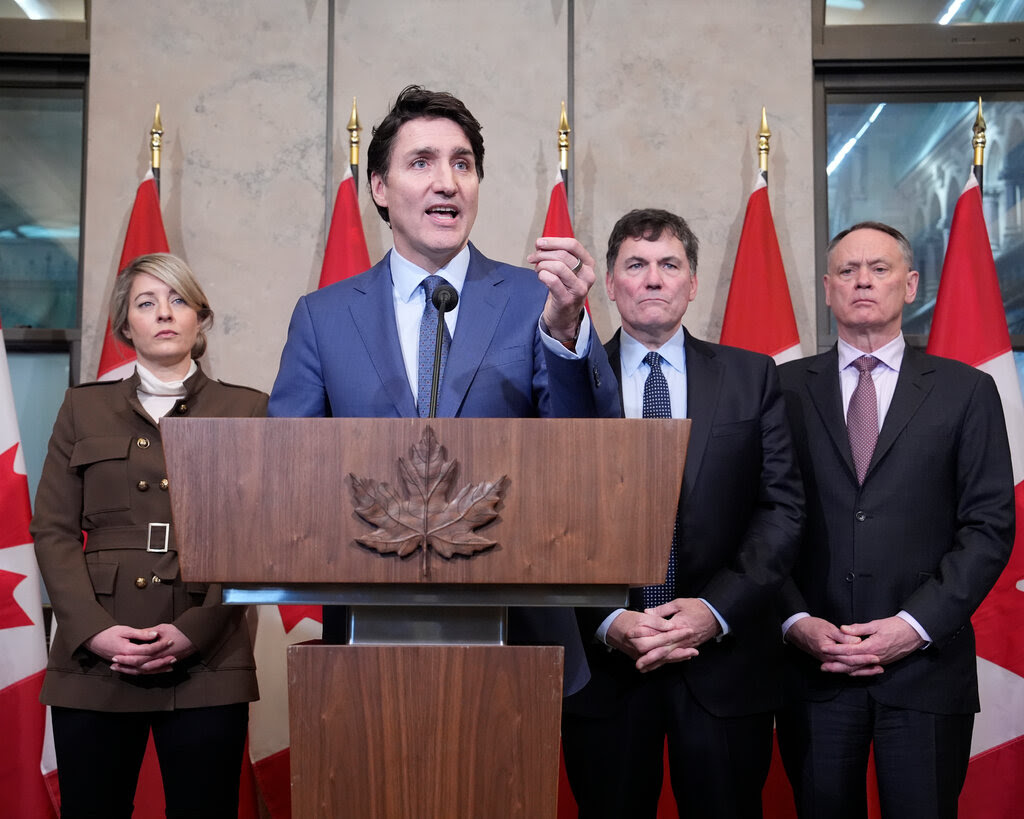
(970, 325)
(345, 254)
(759, 312)
(558, 222)
(759, 317)
(22, 637)
(145, 234)
(281, 626)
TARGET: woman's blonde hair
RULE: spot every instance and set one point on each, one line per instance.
(177, 275)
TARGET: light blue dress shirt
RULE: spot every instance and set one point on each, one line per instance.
(406, 279)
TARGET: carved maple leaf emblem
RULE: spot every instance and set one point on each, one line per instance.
(420, 513)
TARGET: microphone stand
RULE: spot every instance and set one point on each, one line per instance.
(445, 298)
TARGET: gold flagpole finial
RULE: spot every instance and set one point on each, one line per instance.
(979, 137)
(763, 136)
(563, 140)
(156, 134)
(353, 129)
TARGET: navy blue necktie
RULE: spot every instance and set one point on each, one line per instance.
(658, 404)
(428, 342)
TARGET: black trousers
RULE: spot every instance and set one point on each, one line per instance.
(920, 758)
(99, 755)
(717, 765)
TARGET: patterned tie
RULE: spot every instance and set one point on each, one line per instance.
(657, 404)
(428, 341)
(862, 416)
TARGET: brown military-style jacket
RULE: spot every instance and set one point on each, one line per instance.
(104, 475)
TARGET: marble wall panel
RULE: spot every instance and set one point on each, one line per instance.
(242, 88)
(668, 104)
(507, 61)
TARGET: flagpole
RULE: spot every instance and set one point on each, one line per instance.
(353, 129)
(156, 134)
(979, 148)
(763, 136)
(563, 145)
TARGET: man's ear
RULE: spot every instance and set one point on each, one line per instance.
(379, 189)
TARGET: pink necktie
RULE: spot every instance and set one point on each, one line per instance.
(862, 416)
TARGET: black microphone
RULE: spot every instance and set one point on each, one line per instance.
(445, 298)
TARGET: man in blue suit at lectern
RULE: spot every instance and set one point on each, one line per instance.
(518, 344)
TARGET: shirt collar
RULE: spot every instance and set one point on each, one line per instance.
(891, 354)
(406, 276)
(632, 352)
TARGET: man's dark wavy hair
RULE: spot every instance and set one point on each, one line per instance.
(416, 102)
(650, 224)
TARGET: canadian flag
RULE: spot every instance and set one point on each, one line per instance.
(759, 311)
(281, 626)
(759, 317)
(558, 222)
(145, 234)
(22, 637)
(345, 254)
(970, 325)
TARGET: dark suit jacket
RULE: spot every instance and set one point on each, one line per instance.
(740, 514)
(343, 359)
(928, 532)
(102, 475)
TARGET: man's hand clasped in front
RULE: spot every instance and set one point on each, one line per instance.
(667, 634)
(860, 649)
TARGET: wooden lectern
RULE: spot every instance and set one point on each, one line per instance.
(426, 712)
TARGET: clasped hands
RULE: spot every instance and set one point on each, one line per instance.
(858, 650)
(567, 270)
(141, 651)
(667, 634)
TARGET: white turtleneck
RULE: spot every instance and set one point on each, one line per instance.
(157, 396)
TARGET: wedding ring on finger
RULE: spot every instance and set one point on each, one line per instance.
(576, 267)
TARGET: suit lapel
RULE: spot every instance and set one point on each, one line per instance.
(912, 387)
(703, 386)
(823, 388)
(374, 318)
(615, 362)
(482, 303)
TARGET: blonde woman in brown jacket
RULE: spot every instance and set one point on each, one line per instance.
(137, 648)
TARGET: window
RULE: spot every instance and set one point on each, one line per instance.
(43, 76)
(895, 98)
(906, 162)
(40, 206)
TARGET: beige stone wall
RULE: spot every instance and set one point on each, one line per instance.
(242, 89)
(667, 102)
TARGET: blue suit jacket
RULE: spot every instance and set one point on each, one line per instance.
(343, 359)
